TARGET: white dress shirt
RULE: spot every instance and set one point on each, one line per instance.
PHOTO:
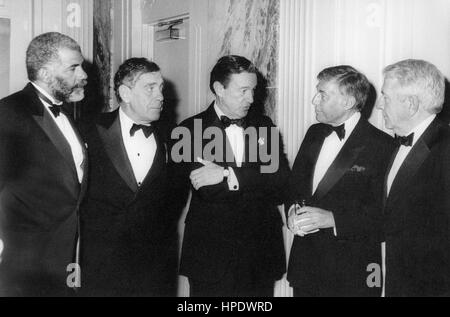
(235, 136)
(331, 148)
(396, 165)
(67, 130)
(141, 151)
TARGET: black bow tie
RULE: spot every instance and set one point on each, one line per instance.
(405, 140)
(146, 129)
(340, 131)
(227, 122)
(54, 108)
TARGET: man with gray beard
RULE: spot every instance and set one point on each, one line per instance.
(42, 171)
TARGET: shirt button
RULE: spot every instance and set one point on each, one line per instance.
(139, 154)
(139, 184)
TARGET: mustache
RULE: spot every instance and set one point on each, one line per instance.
(81, 84)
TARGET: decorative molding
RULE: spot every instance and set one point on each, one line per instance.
(198, 55)
(296, 57)
(141, 34)
(122, 32)
(5, 8)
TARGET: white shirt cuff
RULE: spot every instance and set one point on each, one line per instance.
(233, 184)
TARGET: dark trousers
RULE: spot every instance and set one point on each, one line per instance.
(305, 292)
(316, 292)
(232, 286)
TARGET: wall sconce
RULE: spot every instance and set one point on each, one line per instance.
(170, 30)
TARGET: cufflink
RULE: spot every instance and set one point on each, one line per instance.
(226, 173)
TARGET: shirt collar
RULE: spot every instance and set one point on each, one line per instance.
(421, 127)
(350, 124)
(125, 122)
(42, 91)
(218, 111)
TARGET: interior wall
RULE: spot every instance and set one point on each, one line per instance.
(367, 34)
(5, 44)
(103, 37)
(249, 28)
(221, 27)
(172, 56)
(30, 18)
(155, 10)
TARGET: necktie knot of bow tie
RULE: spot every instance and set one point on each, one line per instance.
(146, 129)
(405, 140)
(340, 131)
(227, 122)
(56, 110)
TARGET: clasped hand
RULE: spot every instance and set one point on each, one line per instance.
(209, 174)
(307, 220)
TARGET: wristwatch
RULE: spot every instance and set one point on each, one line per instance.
(226, 173)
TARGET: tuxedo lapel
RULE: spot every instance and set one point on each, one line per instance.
(112, 139)
(257, 138)
(385, 193)
(413, 162)
(158, 163)
(409, 168)
(84, 166)
(343, 162)
(313, 154)
(48, 125)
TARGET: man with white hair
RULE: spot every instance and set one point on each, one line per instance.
(417, 187)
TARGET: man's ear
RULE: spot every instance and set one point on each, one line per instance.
(350, 102)
(45, 75)
(413, 104)
(218, 88)
(125, 93)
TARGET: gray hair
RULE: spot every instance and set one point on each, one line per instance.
(44, 49)
(423, 79)
(350, 81)
(130, 72)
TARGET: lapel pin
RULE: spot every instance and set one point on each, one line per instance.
(261, 141)
(358, 169)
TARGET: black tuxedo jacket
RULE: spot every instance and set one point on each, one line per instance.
(223, 227)
(322, 264)
(127, 234)
(417, 213)
(39, 199)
